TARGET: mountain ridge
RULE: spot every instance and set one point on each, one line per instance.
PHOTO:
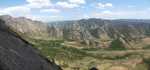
(88, 33)
(92, 28)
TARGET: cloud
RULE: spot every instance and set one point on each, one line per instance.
(104, 5)
(45, 18)
(77, 1)
(26, 10)
(15, 11)
(66, 5)
(85, 16)
(38, 3)
(44, 6)
(106, 12)
(2, 12)
(121, 14)
(60, 4)
(70, 3)
(50, 10)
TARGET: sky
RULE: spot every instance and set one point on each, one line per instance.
(59, 10)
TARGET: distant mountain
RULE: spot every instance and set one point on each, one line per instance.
(102, 33)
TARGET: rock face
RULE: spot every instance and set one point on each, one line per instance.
(17, 54)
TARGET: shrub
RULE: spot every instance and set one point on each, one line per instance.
(117, 45)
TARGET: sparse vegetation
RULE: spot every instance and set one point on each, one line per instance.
(69, 58)
(117, 45)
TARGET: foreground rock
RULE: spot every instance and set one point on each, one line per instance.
(17, 54)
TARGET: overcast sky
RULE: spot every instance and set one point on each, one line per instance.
(53, 10)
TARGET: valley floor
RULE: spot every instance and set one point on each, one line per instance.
(70, 58)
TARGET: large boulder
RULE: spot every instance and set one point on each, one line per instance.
(18, 54)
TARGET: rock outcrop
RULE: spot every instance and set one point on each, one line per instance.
(17, 54)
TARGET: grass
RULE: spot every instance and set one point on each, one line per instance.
(55, 49)
(146, 47)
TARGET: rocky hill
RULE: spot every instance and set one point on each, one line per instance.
(18, 54)
(26, 27)
(101, 33)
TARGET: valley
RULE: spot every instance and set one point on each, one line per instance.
(87, 43)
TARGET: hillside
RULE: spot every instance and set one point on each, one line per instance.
(18, 54)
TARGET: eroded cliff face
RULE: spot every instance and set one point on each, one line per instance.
(101, 33)
(18, 54)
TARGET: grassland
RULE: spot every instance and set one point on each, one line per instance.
(70, 58)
